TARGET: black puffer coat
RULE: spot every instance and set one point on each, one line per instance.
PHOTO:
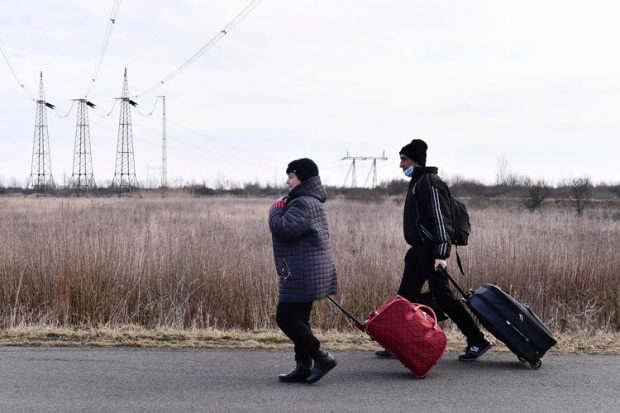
(302, 252)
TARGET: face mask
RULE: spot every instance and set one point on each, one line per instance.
(409, 171)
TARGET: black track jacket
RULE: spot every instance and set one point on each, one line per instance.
(427, 218)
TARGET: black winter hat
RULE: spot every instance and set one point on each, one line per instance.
(416, 151)
(304, 168)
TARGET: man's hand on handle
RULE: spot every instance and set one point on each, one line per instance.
(440, 264)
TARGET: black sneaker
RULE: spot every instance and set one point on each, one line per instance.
(384, 354)
(473, 352)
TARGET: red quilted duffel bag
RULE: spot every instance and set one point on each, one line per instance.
(409, 332)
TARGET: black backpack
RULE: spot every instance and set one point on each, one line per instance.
(461, 228)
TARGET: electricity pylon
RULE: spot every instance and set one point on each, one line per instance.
(373, 168)
(82, 177)
(125, 172)
(41, 169)
(164, 155)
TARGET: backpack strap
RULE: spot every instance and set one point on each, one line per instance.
(456, 247)
(458, 259)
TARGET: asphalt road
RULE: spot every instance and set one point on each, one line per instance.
(102, 380)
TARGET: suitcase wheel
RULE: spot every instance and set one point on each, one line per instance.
(536, 365)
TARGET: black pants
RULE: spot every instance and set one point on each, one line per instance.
(294, 321)
(419, 267)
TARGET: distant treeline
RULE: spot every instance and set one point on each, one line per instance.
(523, 188)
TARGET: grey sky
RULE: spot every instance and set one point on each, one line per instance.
(534, 82)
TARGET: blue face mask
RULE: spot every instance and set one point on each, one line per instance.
(409, 171)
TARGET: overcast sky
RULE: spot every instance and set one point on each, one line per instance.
(536, 83)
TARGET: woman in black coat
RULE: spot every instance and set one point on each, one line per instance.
(305, 265)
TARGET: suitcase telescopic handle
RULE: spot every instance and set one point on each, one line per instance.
(458, 287)
(351, 317)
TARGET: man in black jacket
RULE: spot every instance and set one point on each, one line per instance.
(427, 226)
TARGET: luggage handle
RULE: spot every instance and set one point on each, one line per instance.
(419, 306)
(357, 323)
(458, 287)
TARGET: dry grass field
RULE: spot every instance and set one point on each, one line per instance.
(206, 263)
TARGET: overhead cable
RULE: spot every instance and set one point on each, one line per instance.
(105, 115)
(241, 160)
(236, 148)
(251, 6)
(68, 112)
(104, 45)
(12, 68)
(146, 115)
(190, 148)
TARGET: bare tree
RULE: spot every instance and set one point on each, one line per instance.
(502, 171)
(581, 193)
(506, 177)
(537, 192)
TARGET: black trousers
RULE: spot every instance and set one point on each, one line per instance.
(419, 268)
(294, 321)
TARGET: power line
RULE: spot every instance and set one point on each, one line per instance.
(108, 113)
(217, 154)
(102, 52)
(67, 114)
(236, 148)
(104, 45)
(236, 20)
(13, 71)
(146, 115)
(22, 86)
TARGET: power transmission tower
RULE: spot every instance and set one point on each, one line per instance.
(82, 177)
(125, 173)
(373, 168)
(351, 169)
(41, 169)
(164, 156)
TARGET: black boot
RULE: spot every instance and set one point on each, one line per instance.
(299, 374)
(323, 363)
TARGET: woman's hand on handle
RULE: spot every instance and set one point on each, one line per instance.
(280, 203)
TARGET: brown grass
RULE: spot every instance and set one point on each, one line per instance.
(138, 336)
(202, 263)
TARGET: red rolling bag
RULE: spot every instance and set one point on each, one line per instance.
(407, 331)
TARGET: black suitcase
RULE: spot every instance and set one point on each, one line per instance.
(511, 322)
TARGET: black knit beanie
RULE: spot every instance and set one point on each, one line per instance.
(416, 151)
(304, 168)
